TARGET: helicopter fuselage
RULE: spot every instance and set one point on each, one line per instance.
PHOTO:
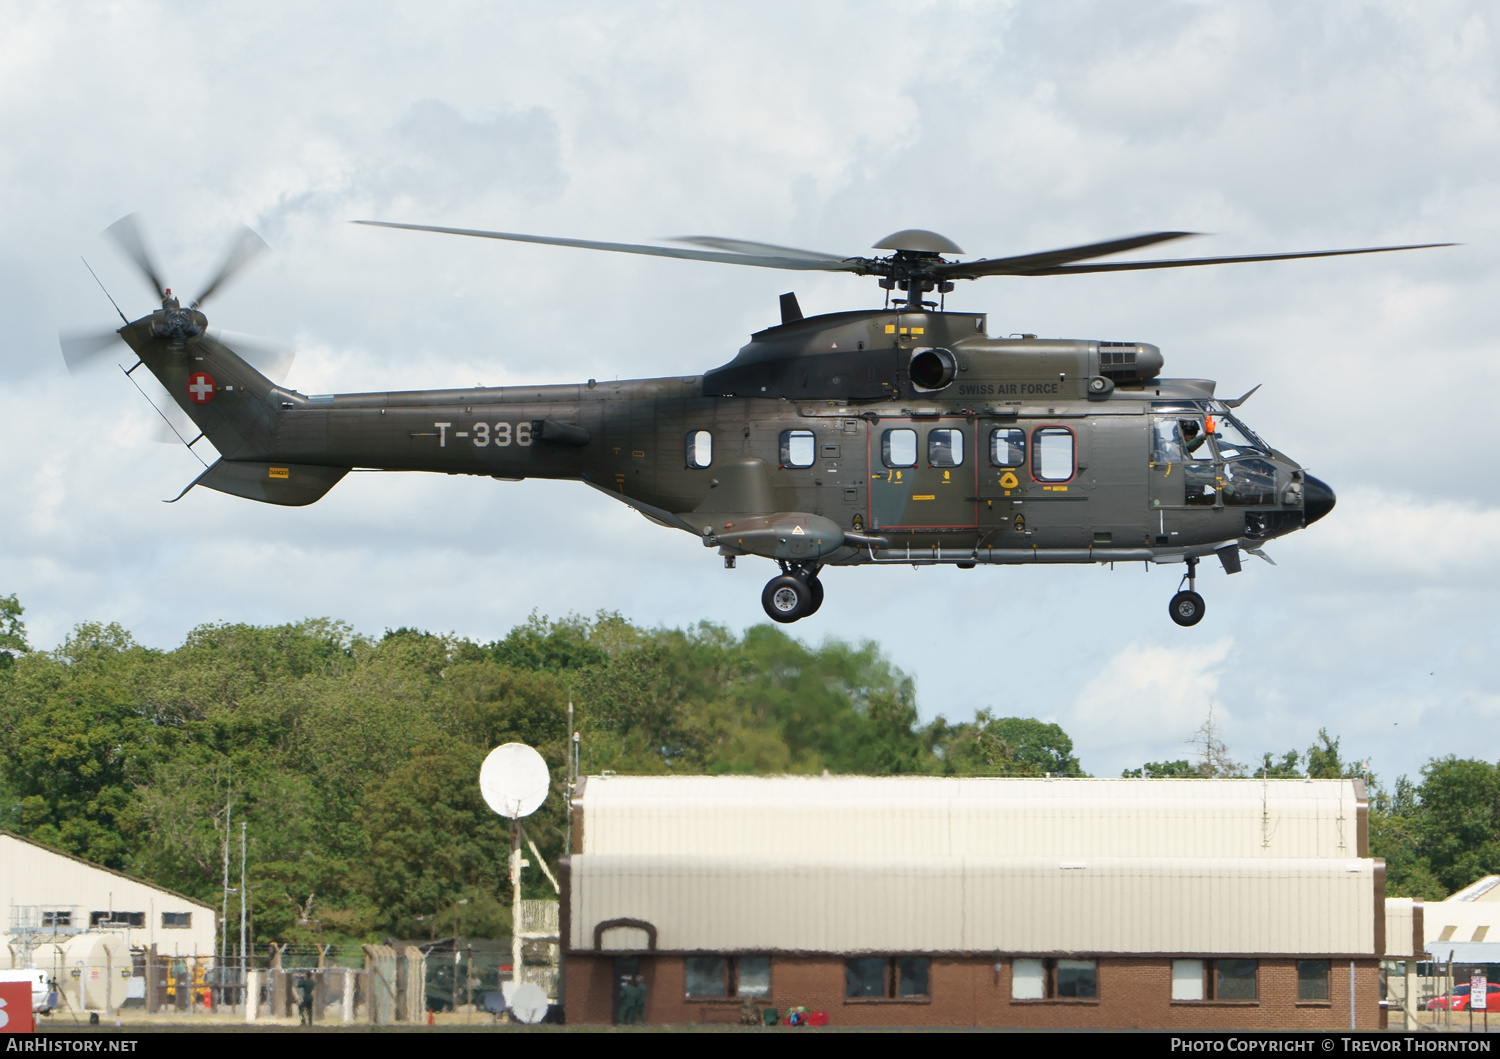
(854, 438)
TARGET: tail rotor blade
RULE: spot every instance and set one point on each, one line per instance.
(245, 248)
(271, 359)
(127, 236)
(81, 348)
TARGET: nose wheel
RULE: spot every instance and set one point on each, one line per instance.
(795, 594)
(1187, 607)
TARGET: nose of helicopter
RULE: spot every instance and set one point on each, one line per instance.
(1318, 499)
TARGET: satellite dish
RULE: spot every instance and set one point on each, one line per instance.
(528, 1002)
(514, 780)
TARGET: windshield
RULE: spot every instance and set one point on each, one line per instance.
(1234, 438)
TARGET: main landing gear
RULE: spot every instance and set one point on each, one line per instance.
(795, 594)
(1187, 607)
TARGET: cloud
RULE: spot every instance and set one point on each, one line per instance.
(1146, 701)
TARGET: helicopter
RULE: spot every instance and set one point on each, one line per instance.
(898, 434)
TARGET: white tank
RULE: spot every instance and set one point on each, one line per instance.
(94, 971)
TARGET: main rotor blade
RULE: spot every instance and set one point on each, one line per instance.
(1027, 264)
(246, 247)
(79, 348)
(795, 263)
(127, 236)
(1128, 266)
(745, 246)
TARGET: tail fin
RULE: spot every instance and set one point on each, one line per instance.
(234, 405)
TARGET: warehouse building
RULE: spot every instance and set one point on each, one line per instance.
(50, 898)
(1191, 904)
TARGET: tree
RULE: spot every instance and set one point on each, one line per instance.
(432, 839)
(12, 631)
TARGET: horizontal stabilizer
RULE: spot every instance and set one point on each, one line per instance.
(288, 484)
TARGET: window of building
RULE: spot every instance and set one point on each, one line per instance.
(911, 975)
(723, 976)
(864, 976)
(1312, 979)
(1028, 979)
(798, 447)
(945, 447)
(898, 448)
(117, 919)
(1052, 454)
(177, 919)
(885, 977)
(1221, 979)
(57, 919)
(1234, 979)
(1007, 447)
(1187, 979)
(1037, 979)
(700, 448)
(707, 976)
(1078, 978)
(752, 975)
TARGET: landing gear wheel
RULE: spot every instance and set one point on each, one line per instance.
(1186, 608)
(787, 598)
(816, 588)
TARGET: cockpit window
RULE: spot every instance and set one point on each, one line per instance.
(1249, 482)
(1233, 439)
(1177, 439)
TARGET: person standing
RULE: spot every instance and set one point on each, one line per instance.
(633, 1001)
(305, 989)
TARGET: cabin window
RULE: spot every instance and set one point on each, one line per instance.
(945, 448)
(798, 447)
(177, 919)
(1007, 447)
(57, 919)
(700, 448)
(898, 448)
(1052, 454)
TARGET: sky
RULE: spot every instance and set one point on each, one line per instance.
(1008, 127)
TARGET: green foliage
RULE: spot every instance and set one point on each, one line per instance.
(353, 762)
(1004, 746)
(12, 631)
(1165, 770)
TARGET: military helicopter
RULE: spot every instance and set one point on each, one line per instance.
(903, 434)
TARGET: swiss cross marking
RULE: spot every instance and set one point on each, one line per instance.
(201, 387)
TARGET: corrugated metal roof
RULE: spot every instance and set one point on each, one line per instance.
(943, 817)
(1036, 905)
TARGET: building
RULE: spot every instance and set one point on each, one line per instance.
(1191, 904)
(50, 897)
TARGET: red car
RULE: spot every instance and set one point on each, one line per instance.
(1459, 1001)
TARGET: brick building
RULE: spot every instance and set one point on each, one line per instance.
(1191, 904)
